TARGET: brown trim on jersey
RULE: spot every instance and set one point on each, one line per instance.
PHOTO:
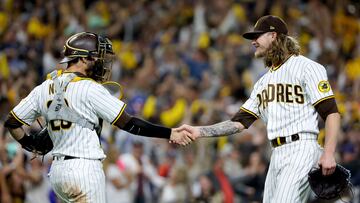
(320, 100)
(123, 120)
(18, 119)
(272, 69)
(326, 107)
(118, 116)
(250, 112)
(245, 117)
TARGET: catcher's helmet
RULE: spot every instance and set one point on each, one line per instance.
(89, 45)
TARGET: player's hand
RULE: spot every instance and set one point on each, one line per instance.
(180, 137)
(327, 163)
(194, 131)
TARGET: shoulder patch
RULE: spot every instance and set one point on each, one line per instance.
(324, 86)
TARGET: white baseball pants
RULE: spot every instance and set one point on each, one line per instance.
(78, 180)
(286, 180)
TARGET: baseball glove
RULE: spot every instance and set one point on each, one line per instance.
(331, 186)
(40, 143)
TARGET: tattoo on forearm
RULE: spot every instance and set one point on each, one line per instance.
(220, 129)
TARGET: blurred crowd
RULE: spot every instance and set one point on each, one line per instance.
(178, 61)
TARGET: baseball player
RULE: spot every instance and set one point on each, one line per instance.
(74, 104)
(288, 98)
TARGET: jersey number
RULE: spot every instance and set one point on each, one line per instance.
(57, 125)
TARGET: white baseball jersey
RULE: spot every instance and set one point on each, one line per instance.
(81, 179)
(87, 98)
(284, 98)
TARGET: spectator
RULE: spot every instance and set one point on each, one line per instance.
(146, 180)
(119, 179)
(177, 188)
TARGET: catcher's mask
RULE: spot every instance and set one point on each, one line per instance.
(93, 47)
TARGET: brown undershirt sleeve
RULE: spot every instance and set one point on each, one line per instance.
(244, 118)
(12, 122)
(326, 107)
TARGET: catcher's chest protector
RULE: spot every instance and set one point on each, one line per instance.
(59, 110)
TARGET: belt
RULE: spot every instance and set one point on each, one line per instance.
(58, 158)
(62, 158)
(277, 142)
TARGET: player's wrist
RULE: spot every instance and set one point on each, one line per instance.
(329, 152)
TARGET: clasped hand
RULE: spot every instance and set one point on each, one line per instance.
(184, 135)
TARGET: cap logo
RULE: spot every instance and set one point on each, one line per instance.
(272, 28)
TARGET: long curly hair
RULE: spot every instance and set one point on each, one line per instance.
(282, 47)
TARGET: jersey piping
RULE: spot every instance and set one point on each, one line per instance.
(323, 99)
(18, 119)
(250, 112)
(118, 116)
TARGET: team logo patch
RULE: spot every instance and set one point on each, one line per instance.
(324, 86)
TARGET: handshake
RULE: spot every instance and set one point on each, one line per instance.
(184, 135)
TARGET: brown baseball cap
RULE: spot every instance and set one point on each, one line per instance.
(265, 24)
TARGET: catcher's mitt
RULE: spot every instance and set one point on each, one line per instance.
(331, 186)
(39, 143)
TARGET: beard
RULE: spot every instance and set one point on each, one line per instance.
(90, 69)
(279, 51)
(262, 53)
(99, 70)
(274, 55)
